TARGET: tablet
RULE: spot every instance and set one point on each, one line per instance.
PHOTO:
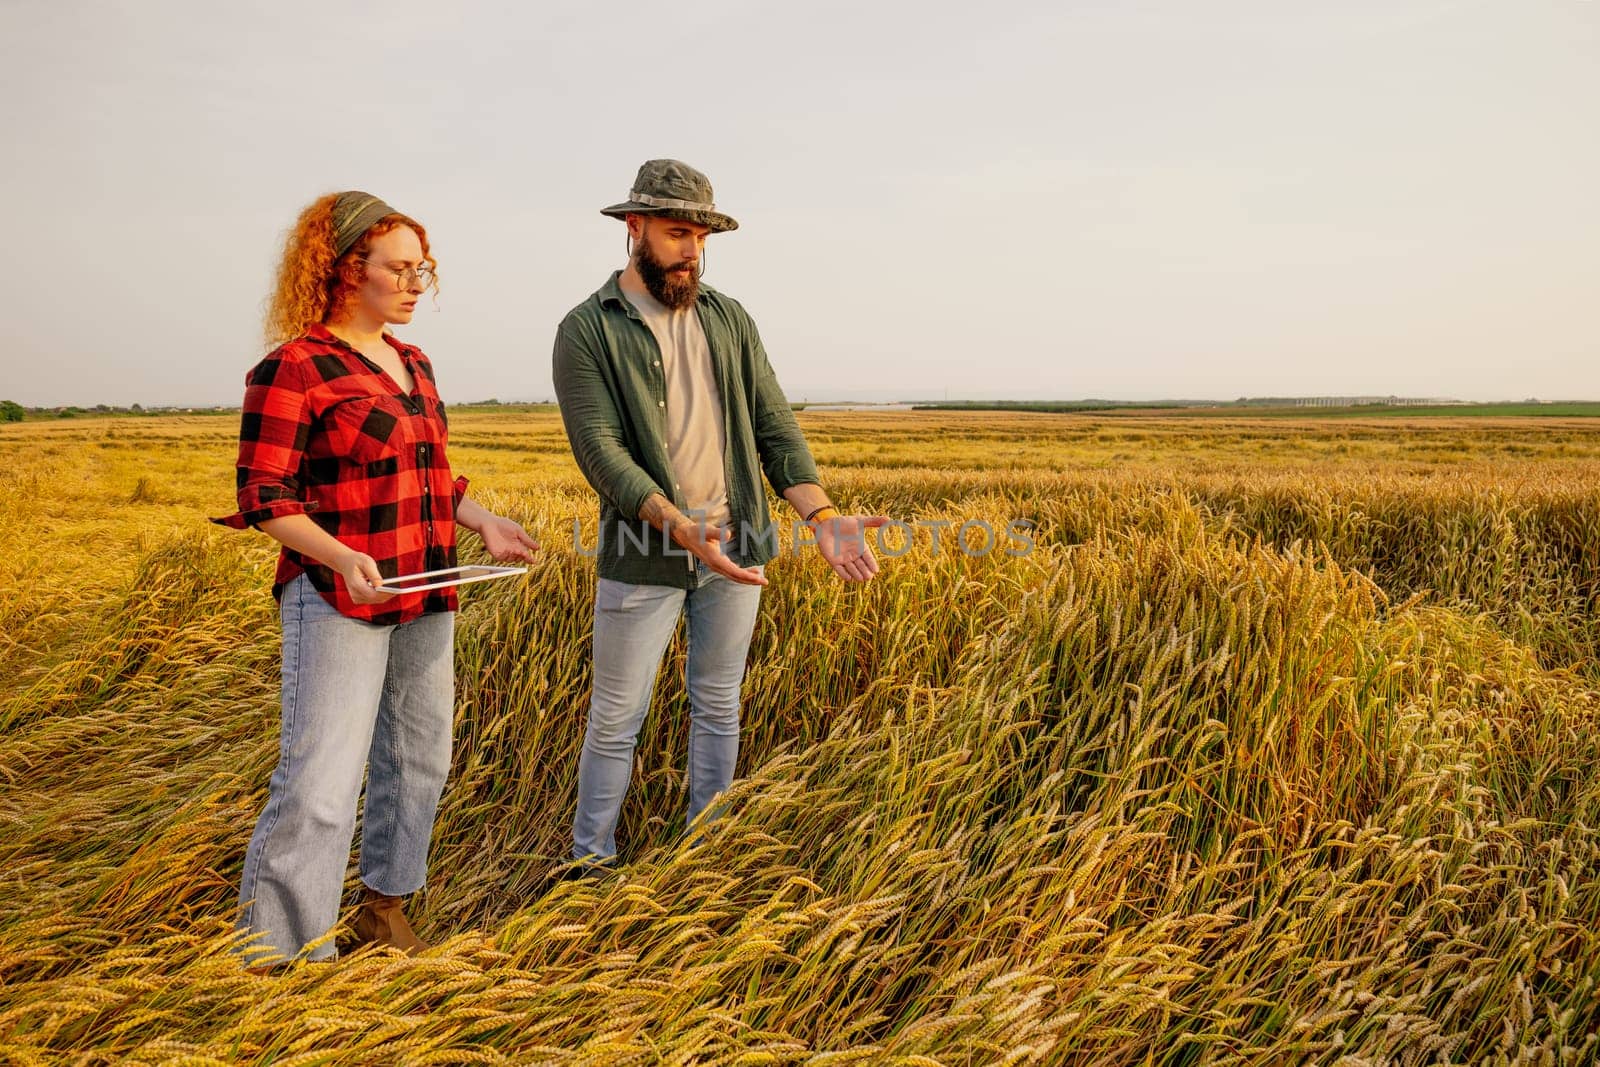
(416, 583)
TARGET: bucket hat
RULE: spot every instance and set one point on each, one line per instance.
(671, 189)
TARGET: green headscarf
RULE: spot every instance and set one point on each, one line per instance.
(353, 215)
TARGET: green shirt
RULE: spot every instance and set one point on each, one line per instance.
(613, 395)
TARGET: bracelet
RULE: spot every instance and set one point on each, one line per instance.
(818, 511)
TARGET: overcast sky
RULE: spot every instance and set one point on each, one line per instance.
(1054, 200)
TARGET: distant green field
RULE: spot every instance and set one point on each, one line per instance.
(103, 411)
(492, 406)
(1051, 405)
(1576, 409)
(1579, 409)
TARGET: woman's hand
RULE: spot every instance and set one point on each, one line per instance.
(505, 540)
(361, 577)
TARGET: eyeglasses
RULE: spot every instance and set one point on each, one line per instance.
(405, 277)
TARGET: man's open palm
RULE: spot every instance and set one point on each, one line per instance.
(842, 540)
(705, 544)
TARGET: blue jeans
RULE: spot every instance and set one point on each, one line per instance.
(632, 625)
(355, 696)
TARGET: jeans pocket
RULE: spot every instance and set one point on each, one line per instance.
(303, 604)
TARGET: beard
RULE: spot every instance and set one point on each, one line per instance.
(676, 289)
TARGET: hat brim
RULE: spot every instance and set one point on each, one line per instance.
(715, 221)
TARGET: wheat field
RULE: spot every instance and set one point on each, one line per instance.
(1280, 746)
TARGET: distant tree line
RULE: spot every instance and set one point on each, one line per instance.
(11, 411)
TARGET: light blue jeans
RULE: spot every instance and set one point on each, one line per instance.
(355, 696)
(632, 625)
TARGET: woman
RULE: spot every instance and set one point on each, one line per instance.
(342, 459)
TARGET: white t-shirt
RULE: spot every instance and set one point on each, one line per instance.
(696, 436)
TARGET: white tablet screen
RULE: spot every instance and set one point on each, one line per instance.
(412, 583)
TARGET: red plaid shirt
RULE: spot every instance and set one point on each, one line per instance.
(326, 433)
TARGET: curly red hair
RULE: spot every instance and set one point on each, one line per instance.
(312, 283)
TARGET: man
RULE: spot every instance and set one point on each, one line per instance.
(673, 414)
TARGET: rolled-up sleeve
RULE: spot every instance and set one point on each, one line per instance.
(593, 424)
(785, 457)
(273, 431)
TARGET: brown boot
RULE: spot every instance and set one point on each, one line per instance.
(379, 921)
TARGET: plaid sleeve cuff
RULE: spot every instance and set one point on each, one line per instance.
(267, 509)
(460, 490)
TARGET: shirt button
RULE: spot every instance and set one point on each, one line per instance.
(658, 363)
(661, 403)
